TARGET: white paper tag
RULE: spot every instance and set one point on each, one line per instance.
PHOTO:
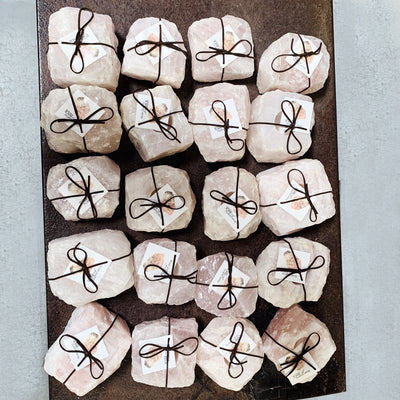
(299, 208)
(88, 338)
(230, 38)
(221, 278)
(246, 345)
(229, 212)
(286, 260)
(84, 106)
(92, 258)
(162, 107)
(304, 117)
(90, 53)
(153, 33)
(70, 189)
(303, 372)
(159, 361)
(312, 60)
(231, 114)
(169, 214)
(160, 256)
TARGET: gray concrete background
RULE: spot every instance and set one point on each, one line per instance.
(367, 54)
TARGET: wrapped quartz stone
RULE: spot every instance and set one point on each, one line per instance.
(230, 204)
(298, 343)
(220, 117)
(294, 63)
(165, 271)
(154, 51)
(292, 270)
(280, 126)
(158, 199)
(230, 351)
(155, 122)
(295, 195)
(91, 348)
(227, 285)
(83, 49)
(81, 119)
(164, 352)
(89, 266)
(85, 188)
(222, 49)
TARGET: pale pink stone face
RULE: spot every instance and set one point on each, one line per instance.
(292, 80)
(291, 327)
(116, 341)
(104, 71)
(290, 292)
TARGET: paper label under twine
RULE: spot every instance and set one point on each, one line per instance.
(303, 111)
(246, 345)
(144, 118)
(297, 208)
(289, 260)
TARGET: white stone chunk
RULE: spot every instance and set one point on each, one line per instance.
(155, 139)
(231, 34)
(93, 328)
(213, 293)
(142, 56)
(220, 117)
(107, 256)
(218, 342)
(153, 340)
(77, 134)
(296, 330)
(230, 204)
(285, 207)
(289, 55)
(156, 260)
(280, 126)
(158, 199)
(278, 281)
(70, 187)
(95, 64)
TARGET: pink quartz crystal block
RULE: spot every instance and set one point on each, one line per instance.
(283, 289)
(291, 327)
(101, 65)
(106, 253)
(93, 103)
(143, 62)
(284, 207)
(274, 143)
(207, 33)
(157, 259)
(93, 325)
(149, 337)
(294, 76)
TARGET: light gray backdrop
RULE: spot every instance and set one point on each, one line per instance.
(367, 54)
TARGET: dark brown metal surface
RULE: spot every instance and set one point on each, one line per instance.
(269, 19)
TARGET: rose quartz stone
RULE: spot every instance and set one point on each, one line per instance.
(117, 341)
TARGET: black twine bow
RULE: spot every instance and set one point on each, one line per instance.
(80, 122)
(150, 350)
(87, 353)
(216, 51)
(297, 270)
(167, 129)
(234, 352)
(79, 257)
(151, 204)
(289, 128)
(313, 215)
(84, 186)
(224, 124)
(153, 44)
(249, 206)
(305, 54)
(298, 357)
(78, 42)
